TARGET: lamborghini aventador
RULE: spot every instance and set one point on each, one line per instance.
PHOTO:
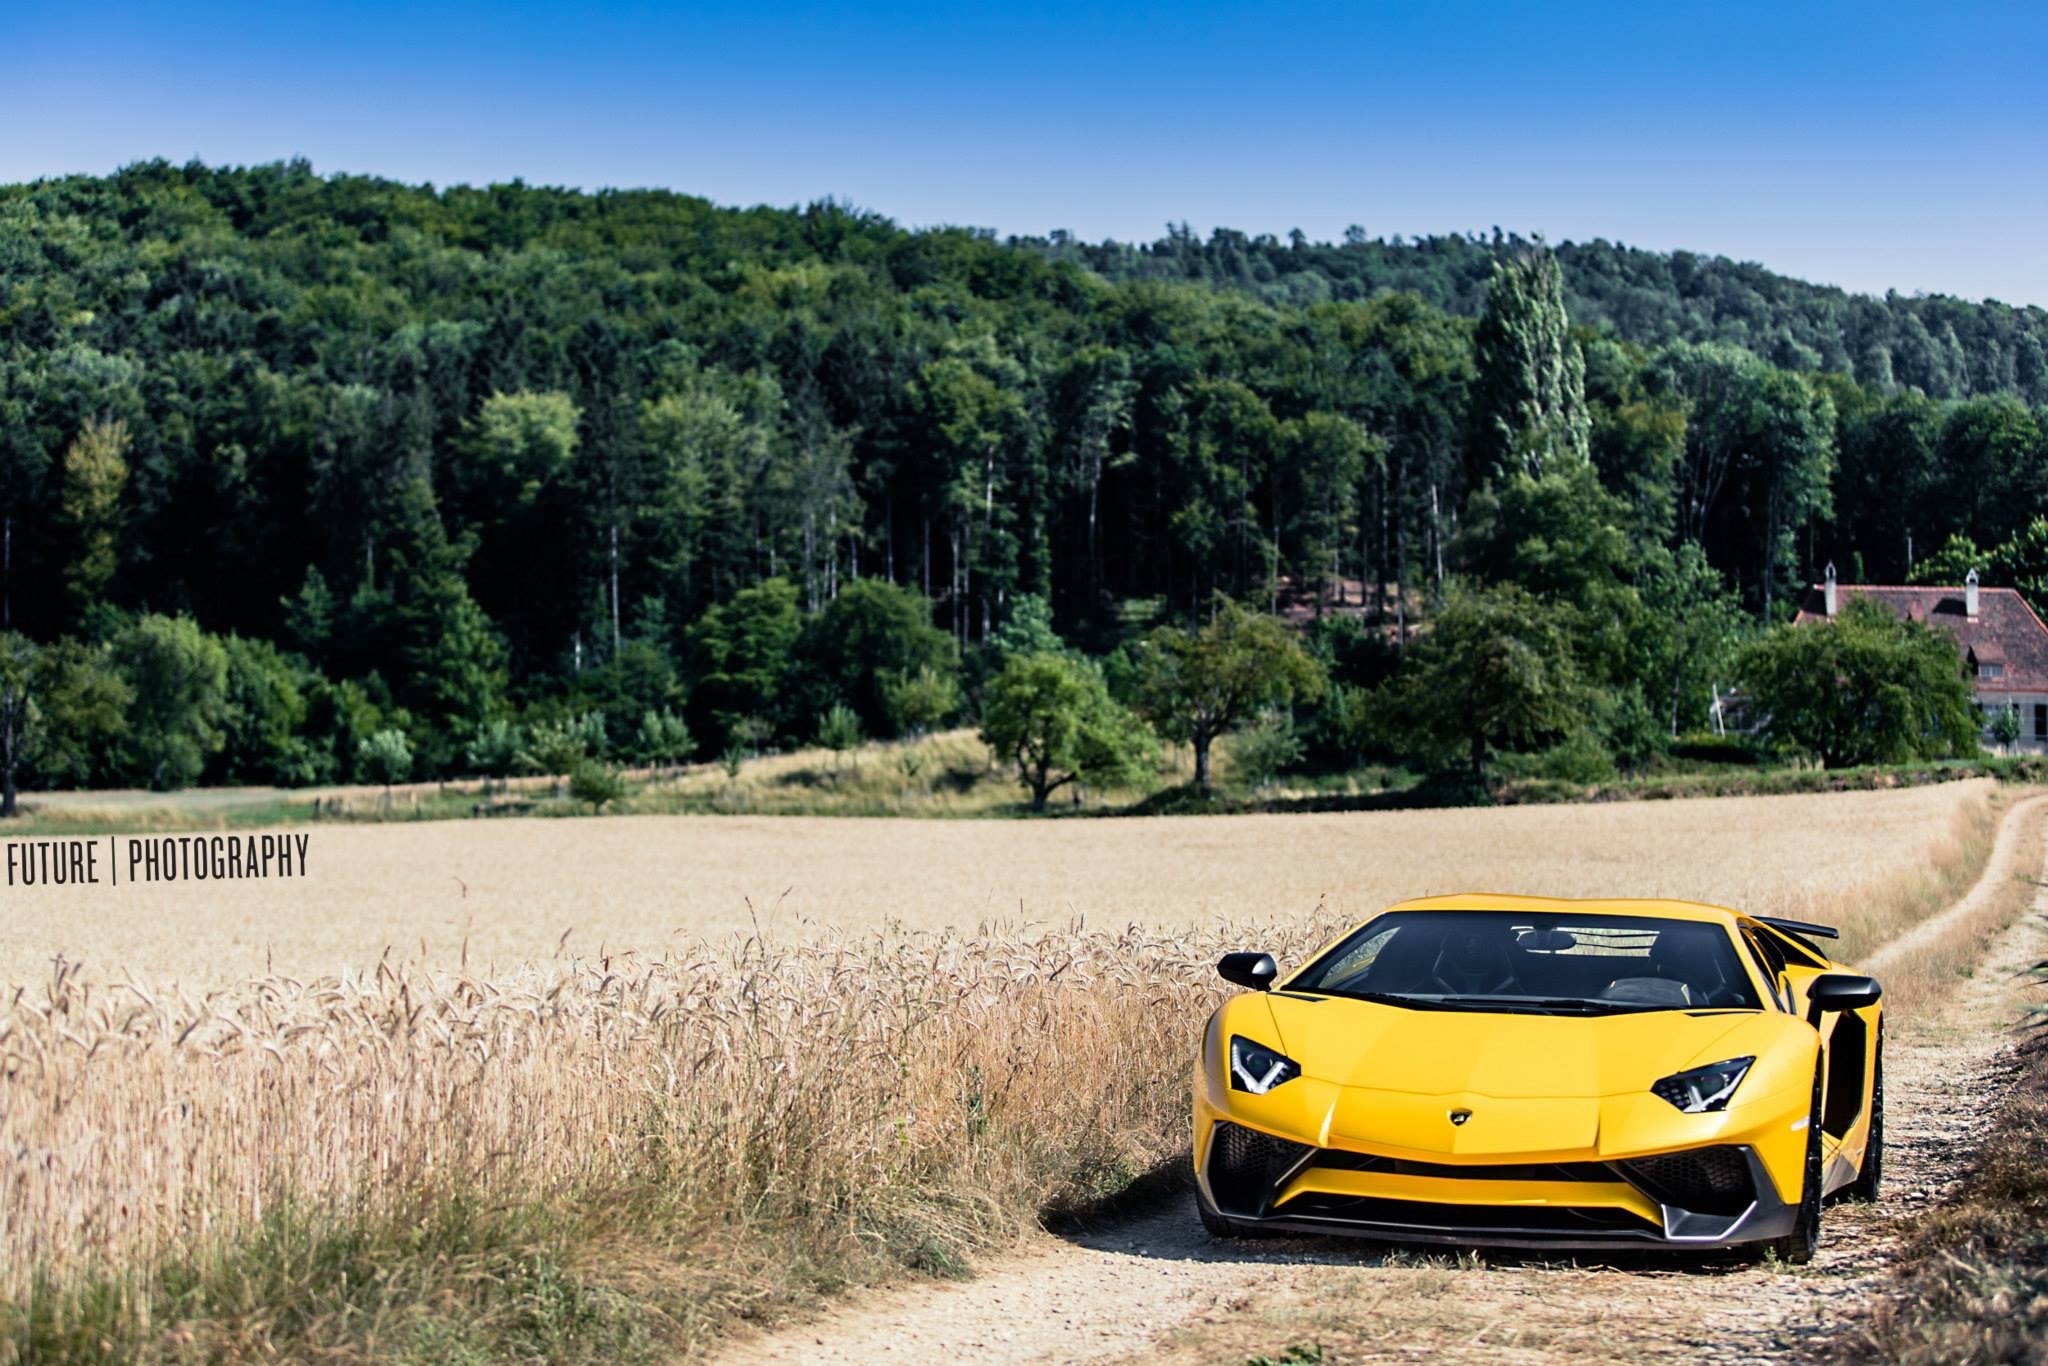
(1515, 1071)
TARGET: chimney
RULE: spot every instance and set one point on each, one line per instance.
(1970, 595)
(1828, 590)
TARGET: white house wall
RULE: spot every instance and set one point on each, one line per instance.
(2031, 740)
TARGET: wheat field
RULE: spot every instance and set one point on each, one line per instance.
(488, 896)
(681, 1121)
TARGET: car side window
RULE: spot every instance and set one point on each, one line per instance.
(1772, 965)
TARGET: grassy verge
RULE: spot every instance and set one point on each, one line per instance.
(950, 776)
(1975, 1284)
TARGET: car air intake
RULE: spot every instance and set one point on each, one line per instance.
(1244, 1164)
(1704, 1180)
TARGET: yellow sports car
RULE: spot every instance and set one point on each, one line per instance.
(1524, 1072)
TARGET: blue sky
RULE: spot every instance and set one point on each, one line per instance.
(1876, 145)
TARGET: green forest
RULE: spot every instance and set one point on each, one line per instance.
(316, 478)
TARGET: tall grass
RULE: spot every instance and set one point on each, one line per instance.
(849, 1107)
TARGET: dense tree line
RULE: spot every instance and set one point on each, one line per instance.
(519, 476)
(1945, 347)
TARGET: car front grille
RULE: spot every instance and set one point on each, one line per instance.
(1335, 1159)
(1703, 1180)
(1417, 1216)
(1244, 1165)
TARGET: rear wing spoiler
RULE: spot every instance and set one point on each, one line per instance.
(1805, 927)
(1804, 931)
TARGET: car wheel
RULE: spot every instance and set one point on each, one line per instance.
(1215, 1224)
(1865, 1186)
(1798, 1246)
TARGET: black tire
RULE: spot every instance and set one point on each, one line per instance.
(1871, 1176)
(1797, 1247)
(1214, 1224)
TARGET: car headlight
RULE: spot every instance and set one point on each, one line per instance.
(1257, 1068)
(1704, 1088)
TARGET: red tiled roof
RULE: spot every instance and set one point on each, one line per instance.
(2005, 630)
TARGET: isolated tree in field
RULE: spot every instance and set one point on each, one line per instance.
(1494, 671)
(2005, 726)
(1529, 398)
(56, 701)
(1863, 688)
(385, 758)
(178, 674)
(1198, 685)
(838, 731)
(1032, 715)
(1051, 716)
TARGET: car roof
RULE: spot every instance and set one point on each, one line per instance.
(1658, 908)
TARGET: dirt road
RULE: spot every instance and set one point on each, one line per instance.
(1157, 1289)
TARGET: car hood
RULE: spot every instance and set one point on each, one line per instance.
(1436, 1052)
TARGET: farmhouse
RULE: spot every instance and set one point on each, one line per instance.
(2004, 645)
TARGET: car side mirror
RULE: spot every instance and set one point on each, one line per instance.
(1254, 970)
(1840, 991)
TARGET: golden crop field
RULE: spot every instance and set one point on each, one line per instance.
(518, 891)
(199, 1152)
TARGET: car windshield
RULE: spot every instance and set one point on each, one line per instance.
(1546, 964)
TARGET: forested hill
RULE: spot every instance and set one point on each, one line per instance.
(434, 462)
(1944, 347)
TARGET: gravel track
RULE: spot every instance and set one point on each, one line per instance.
(1155, 1288)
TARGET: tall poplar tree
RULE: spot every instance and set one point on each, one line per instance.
(1529, 401)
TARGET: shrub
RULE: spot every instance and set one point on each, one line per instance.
(596, 783)
(662, 738)
(1266, 749)
(385, 757)
(1578, 758)
(496, 749)
(839, 730)
(1708, 748)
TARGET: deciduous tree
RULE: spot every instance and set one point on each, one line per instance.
(1494, 671)
(1198, 685)
(1862, 688)
(1050, 715)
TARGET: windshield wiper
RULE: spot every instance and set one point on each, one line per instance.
(1546, 1005)
(1380, 998)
